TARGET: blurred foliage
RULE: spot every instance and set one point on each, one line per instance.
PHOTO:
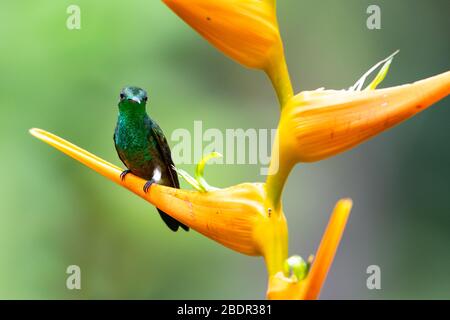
(54, 212)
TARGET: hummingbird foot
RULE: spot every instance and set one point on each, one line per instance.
(123, 174)
(148, 185)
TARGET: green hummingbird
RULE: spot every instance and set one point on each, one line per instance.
(142, 146)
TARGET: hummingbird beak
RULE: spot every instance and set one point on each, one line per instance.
(136, 100)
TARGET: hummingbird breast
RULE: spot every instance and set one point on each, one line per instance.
(136, 148)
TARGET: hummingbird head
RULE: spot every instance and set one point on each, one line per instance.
(132, 97)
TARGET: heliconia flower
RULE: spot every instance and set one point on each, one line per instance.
(238, 217)
(315, 125)
(319, 124)
(285, 287)
(241, 218)
(244, 30)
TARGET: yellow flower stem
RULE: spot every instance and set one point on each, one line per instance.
(276, 231)
(279, 169)
(275, 185)
(275, 234)
(278, 72)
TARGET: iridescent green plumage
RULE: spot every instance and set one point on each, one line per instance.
(142, 146)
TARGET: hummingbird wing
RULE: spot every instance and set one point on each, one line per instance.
(117, 149)
(166, 155)
(164, 151)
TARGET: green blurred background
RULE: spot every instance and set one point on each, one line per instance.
(55, 212)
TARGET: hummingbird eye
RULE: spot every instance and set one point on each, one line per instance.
(145, 99)
(122, 96)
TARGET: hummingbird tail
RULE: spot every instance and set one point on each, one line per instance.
(172, 223)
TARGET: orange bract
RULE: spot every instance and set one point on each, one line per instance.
(245, 30)
(318, 124)
(237, 217)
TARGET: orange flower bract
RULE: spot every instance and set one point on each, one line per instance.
(237, 217)
(245, 30)
(319, 124)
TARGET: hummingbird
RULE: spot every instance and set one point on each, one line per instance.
(143, 148)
